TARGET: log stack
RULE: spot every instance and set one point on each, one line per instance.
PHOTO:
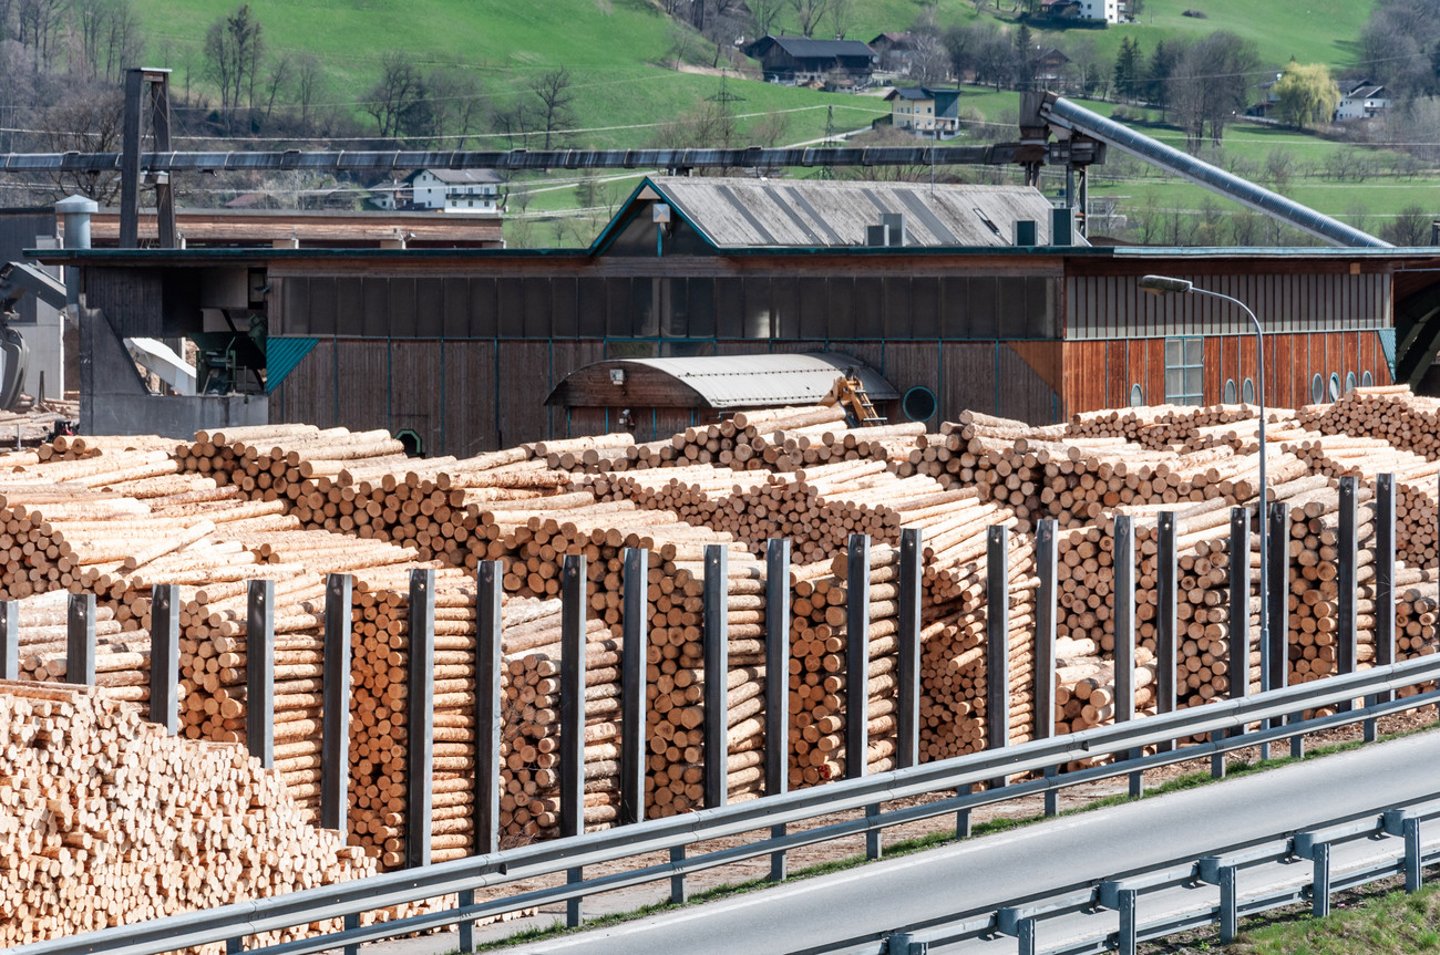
(107, 821)
(1392, 413)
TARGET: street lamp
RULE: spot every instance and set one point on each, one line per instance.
(1159, 285)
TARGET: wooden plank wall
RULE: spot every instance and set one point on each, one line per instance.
(1100, 374)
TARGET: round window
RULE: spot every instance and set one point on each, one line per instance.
(1317, 390)
(919, 404)
(1349, 381)
(1367, 380)
(1247, 391)
(1334, 386)
(414, 445)
(1137, 395)
(1230, 396)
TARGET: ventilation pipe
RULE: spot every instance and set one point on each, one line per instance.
(1061, 112)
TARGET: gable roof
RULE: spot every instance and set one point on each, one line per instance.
(807, 48)
(734, 213)
(894, 40)
(918, 93)
(1365, 92)
(458, 177)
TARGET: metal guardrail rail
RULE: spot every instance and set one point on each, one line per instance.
(1259, 719)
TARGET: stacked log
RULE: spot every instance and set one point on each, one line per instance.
(107, 821)
(1157, 427)
(1392, 413)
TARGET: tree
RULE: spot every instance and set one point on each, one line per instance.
(458, 105)
(309, 82)
(233, 45)
(765, 13)
(839, 15)
(89, 118)
(553, 90)
(1128, 77)
(398, 91)
(929, 62)
(109, 34)
(809, 14)
(1307, 94)
(1158, 74)
(1279, 168)
(1026, 60)
(1411, 227)
(1211, 84)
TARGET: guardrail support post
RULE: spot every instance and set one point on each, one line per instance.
(9, 640)
(80, 640)
(420, 745)
(857, 672)
(997, 643)
(572, 714)
(962, 816)
(1384, 586)
(1414, 856)
(908, 719)
(165, 657)
(1123, 597)
(717, 670)
(678, 893)
(350, 922)
(260, 671)
(1320, 885)
(1166, 625)
(1238, 672)
(1229, 905)
(1128, 939)
(1275, 663)
(1047, 569)
(489, 638)
(636, 622)
(463, 898)
(335, 704)
(777, 682)
(1346, 580)
(1025, 937)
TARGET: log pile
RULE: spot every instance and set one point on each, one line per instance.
(1157, 427)
(107, 821)
(1392, 413)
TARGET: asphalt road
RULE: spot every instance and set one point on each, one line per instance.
(853, 910)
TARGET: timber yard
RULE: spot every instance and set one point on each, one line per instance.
(369, 577)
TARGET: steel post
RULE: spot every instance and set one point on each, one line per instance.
(80, 640)
(857, 656)
(335, 709)
(1384, 583)
(907, 735)
(1347, 581)
(260, 671)
(489, 641)
(9, 640)
(165, 657)
(777, 683)
(1046, 614)
(573, 576)
(636, 623)
(420, 717)
(997, 640)
(716, 636)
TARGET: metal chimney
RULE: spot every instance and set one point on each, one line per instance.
(75, 213)
(896, 223)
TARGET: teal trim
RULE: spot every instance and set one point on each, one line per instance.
(281, 357)
(1387, 345)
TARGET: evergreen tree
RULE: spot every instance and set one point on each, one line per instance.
(1127, 69)
(1157, 77)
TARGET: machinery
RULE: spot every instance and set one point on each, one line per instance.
(849, 393)
(16, 281)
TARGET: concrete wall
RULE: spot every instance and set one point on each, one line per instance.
(174, 416)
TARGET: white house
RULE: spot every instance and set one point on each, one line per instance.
(456, 190)
(1107, 10)
(1362, 102)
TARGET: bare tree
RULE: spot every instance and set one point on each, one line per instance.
(89, 118)
(233, 45)
(458, 105)
(840, 15)
(279, 76)
(109, 35)
(682, 40)
(766, 13)
(39, 25)
(309, 81)
(553, 90)
(397, 91)
(930, 62)
(1410, 227)
(809, 13)
(515, 124)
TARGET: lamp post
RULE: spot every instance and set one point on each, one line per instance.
(1162, 284)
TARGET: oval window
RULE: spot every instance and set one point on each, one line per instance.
(1334, 386)
(1247, 391)
(413, 443)
(1349, 381)
(1317, 390)
(919, 404)
(1137, 395)
(1367, 380)
(1230, 396)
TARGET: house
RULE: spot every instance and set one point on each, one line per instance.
(791, 59)
(1364, 101)
(456, 190)
(896, 51)
(1106, 10)
(924, 109)
(1050, 65)
(390, 195)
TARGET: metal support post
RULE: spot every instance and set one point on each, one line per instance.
(159, 82)
(636, 623)
(679, 894)
(489, 638)
(465, 898)
(80, 640)
(335, 705)
(1126, 936)
(1046, 600)
(1384, 585)
(962, 816)
(716, 638)
(9, 640)
(260, 671)
(997, 642)
(1124, 614)
(1166, 624)
(1414, 856)
(857, 656)
(908, 719)
(572, 713)
(1320, 884)
(777, 683)
(1346, 560)
(420, 744)
(1278, 594)
(165, 657)
(130, 160)
(1238, 649)
(1229, 905)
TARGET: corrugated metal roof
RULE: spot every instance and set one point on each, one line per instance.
(750, 381)
(760, 213)
(809, 48)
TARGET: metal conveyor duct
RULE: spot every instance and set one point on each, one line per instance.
(1061, 112)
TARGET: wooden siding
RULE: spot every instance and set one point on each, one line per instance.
(1100, 374)
(1114, 306)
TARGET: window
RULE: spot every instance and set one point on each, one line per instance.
(1137, 395)
(1367, 380)
(1184, 371)
(1334, 386)
(1349, 382)
(1247, 391)
(1317, 389)
(1230, 391)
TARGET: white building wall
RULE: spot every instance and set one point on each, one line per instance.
(1107, 10)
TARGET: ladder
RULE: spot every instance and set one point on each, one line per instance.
(849, 391)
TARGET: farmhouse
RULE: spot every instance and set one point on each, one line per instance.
(789, 59)
(924, 109)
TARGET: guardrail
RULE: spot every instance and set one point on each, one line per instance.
(1260, 719)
